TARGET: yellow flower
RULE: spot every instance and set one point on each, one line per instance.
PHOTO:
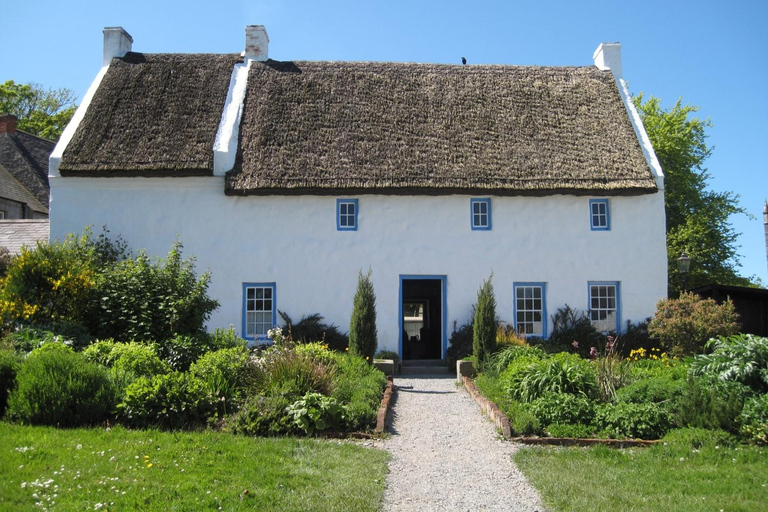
(149, 465)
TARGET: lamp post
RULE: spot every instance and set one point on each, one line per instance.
(684, 265)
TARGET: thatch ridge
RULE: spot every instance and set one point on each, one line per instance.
(152, 115)
(400, 128)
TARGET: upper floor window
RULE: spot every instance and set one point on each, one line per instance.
(481, 213)
(346, 214)
(600, 214)
(604, 306)
(530, 309)
(259, 310)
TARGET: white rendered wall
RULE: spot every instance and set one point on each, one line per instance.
(293, 242)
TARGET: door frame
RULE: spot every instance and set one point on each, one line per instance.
(443, 309)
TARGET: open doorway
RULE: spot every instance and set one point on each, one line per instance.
(422, 318)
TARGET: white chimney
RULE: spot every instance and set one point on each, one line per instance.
(117, 42)
(608, 56)
(256, 42)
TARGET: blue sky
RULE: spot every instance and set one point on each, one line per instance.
(712, 54)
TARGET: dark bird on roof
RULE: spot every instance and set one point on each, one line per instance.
(464, 61)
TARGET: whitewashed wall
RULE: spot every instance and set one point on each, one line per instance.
(293, 242)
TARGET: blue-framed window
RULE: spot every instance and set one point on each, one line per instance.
(531, 309)
(259, 310)
(605, 305)
(600, 214)
(480, 210)
(346, 214)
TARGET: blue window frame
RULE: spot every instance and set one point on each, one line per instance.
(346, 214)
(605, 305)
(531, 309)
(480, 211)
(600, 214)
(259, 310)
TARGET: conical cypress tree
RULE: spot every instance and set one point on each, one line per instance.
(363, 336)
(484, 327)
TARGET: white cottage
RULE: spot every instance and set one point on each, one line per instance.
(288, 178)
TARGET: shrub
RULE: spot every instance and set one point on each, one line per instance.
(363, 336)
(460, 343)
(319, 352)
(172, 401)
(635, 336)
(58, 387)
(181, 350)
(262, 416)
(657, 390)
(27, 338)
(499, 361)
(10, 362)
(611, 371)
(523, 421)
(311, 328)
(572, 430)
(315, 412)
(711, 404)
(741, 358)
(754, 419)
(506, 336)
(563, 408)
(165, 298)
(561, 373)
(684, 325)
(630, 420)
(138, 359)
(224, 373)
(484, 325)
(688, 439)
(359, 386)
(283, 371)
(571, 325)
(388, 354)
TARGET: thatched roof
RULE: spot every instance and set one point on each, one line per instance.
(25, 157)
(343, 127)
(152, 115)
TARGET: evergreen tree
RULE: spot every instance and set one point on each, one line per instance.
(484, 328)
(363, 336)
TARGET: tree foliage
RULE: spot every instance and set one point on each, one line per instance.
(41, 112)
(363, 335)
(484, 327)
(697, 218)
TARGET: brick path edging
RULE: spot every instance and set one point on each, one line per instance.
(502, 423)
(381, 417)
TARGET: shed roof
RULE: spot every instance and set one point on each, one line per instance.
(403, 128)
(17, 233)
(25, 157)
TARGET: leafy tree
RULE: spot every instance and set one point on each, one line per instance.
(484, 331)
(40, 112)
(363, 335)
(697, 218)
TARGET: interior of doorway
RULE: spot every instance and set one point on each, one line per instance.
(422, 318)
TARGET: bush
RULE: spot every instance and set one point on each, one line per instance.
(657, 390)
(363, 335)
(572, 430)
(27, 338)
(181, 350)
(684, 325)
(635, 336)
(708, 403)
(630, 420)
(224, 373)
(740, 358)
(561, 373)
(460, 343)
(571, 325)
(312, 329)
(319, 353)
(172, 401)
(10, 362)
(58, 387)
(315, 412)
(563, 408)
(499, 361)
(262, 416)
(165, 299)
(484, 325)
(359, 386)
(283, 371)
(506, 336)
(754, 419)
(687, 439)
(138, 359)
(523, 421)
(388, 354)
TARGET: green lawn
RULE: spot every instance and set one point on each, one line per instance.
(96, 469)
(661, 478)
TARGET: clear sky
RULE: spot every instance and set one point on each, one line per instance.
(712, 54)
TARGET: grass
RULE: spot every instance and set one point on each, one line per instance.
(119, 469)
(649, 479)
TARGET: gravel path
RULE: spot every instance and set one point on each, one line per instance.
(446, 456)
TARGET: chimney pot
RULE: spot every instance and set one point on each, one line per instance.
(117, 42)
(8, 124)
(608, 56)
(256, 42)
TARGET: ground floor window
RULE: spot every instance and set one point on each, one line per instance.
(259, 310)
(530, 309)
(604, 305)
